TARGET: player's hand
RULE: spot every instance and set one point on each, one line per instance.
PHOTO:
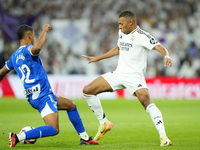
(46, 27)
(92, 59)
(167, 61)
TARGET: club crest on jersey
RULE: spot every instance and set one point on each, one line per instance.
(132, 38)
(29, 48)
(120, 36)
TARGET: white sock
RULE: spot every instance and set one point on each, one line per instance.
(21, 136)
(95, 104)
(157, 119)
(84, 136)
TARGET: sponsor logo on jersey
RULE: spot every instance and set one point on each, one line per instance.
(125, 46)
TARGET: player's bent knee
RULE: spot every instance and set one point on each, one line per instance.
(65, 103)
(57, 130)
(88, 90)
(71, 104)
(85, 90)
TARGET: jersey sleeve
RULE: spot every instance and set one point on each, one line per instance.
(119, 36)
(9, 64)
(149, 41)
(28, 50)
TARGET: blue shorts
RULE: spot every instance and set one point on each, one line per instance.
(45, 105)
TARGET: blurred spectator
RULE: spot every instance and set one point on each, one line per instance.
(175, 24)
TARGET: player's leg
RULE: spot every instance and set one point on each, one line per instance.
(68, 105)
(90, 91)
(39, 132)
(47, 106)
(74, 117)
(143, 96)
(49, 113)
(50, 129)
(156, 116)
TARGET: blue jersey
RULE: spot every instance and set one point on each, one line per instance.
(30, 71)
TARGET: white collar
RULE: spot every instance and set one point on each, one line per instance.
(22, 46)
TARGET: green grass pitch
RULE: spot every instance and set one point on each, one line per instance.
(133, 127)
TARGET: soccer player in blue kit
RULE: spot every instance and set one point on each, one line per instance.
(28, 65)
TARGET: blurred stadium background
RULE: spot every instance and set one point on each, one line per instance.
(90, 27)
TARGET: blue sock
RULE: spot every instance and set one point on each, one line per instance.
(39, 132)
(75, 119)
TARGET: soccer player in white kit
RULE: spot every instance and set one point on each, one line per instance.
(132, 47)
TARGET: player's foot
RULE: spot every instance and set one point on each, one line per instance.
(165, 141)
(89, 142)
(13, 139)
(103, 128)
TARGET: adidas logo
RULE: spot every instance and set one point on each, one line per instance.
(159, 122)
(140, 85)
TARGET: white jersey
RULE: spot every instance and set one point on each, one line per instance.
(133, 51)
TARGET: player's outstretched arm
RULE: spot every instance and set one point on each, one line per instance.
(111, 53)
(165, 53)
(3, 72)
(41, 40)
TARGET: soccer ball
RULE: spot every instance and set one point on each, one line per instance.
(30, 141)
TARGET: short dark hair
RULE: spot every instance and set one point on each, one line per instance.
(127, 14)
(22, 30)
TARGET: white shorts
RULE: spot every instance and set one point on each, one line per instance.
(131, 82)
